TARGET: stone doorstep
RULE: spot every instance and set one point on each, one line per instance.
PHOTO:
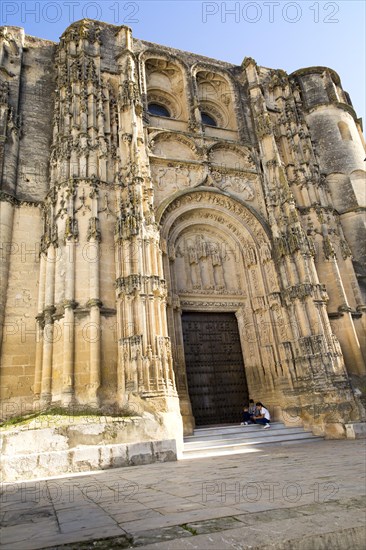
(85, 458)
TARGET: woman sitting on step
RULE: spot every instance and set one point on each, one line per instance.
(263, 416)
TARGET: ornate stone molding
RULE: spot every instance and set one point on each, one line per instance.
(141, 284)
(211, 305)
(212, 204)
(302, 291)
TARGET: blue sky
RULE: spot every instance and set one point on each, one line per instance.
(278, 34)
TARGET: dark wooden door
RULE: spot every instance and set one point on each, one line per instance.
(215, 369)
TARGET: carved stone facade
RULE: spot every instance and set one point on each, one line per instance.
(243, 194)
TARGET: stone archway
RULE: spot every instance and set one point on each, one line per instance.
(217, 258)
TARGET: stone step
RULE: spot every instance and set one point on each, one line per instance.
(243, 432)
(246, 447)
(242, 438)
(231, 429)
(227, 440)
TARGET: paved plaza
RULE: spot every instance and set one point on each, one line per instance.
(294, 496)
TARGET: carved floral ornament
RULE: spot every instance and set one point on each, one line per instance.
(161, 65)
(82, 30)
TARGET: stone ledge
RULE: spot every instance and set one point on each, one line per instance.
(85, 458)
(356, 430)
(47, 450)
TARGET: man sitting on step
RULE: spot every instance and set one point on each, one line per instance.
(263, 416)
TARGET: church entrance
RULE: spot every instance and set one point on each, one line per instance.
(214, 364)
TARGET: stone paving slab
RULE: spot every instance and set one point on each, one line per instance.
(280, 495)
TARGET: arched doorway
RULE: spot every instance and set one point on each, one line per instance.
(220, 273)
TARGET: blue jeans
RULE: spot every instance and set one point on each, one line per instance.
(247, 417)
(261, 421)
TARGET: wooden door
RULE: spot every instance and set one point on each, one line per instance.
(215, 369)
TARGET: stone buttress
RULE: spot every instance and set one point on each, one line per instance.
(96, 349)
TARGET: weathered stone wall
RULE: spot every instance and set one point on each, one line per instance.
(18, 354)
(36, 106)
(46, 449)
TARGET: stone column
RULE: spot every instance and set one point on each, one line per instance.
(40, 325)
(94, 304)
(69, 334)
(49, 309)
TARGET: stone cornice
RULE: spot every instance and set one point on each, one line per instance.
(54, 313)
(7, 197)
(316, 70)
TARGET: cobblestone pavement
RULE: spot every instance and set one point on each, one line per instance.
(301, 496)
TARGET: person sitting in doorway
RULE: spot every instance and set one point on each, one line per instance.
(262, 416)
(248, 413)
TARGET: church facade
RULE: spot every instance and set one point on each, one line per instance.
(178, 234)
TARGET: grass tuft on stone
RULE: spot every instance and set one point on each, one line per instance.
(56, 415)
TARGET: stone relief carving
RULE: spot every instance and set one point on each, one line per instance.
(205, 264)
(9, 50)
(235, 183)
(230, 206)
(177, 176)
(171, 177)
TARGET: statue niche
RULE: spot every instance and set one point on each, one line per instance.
(204, 264)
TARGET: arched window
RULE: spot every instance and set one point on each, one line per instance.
(207, 119)
(158, 110)
(344, 131)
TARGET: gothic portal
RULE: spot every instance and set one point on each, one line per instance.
(178, 233)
